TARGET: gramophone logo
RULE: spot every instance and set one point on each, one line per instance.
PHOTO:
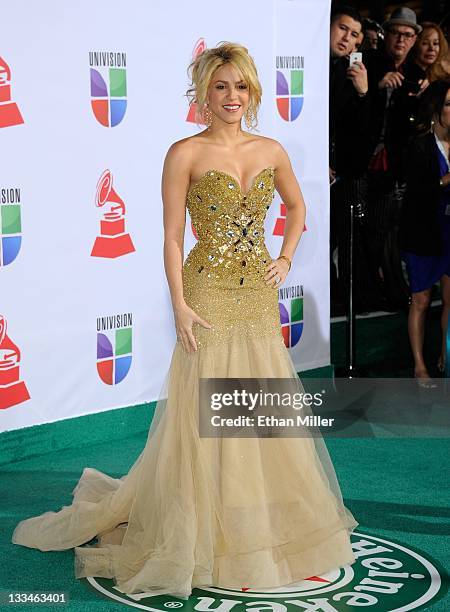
(10, 225)
(114, 347)
(108, 86)
(289, 86)
(9, 111)
(13, 391)
(291, 313)
(280, 222)
(113, 240)
(200, 46)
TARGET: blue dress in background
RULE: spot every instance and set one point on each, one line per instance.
(425, 271)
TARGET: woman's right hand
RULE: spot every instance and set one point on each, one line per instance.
(185, 318)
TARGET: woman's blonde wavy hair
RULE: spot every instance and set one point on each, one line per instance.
(436, 70)
(203, 67)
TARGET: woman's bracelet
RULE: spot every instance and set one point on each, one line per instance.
(287, 259)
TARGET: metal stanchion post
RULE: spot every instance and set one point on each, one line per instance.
(350, 313)
(350, 370)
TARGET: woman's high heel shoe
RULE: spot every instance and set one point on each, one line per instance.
(425, 383)
(424, 380)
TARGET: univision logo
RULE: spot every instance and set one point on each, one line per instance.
(108, 86)
(291, 313)
(10, 225)
(386, 576)
(114, 347)
(289, 86)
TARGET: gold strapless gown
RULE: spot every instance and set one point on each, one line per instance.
(229, 512)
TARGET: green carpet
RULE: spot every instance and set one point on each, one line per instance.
(396, 488)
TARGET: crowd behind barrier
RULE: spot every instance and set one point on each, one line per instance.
(389, 170)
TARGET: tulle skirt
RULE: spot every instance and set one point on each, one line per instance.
(194, 511)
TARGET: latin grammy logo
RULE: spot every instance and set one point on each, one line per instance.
(12, 390)
(9, 111)
(194, 231)
(280, 223)
(200, 46)
(113, 240)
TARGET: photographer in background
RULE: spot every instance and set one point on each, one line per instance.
(349, 148)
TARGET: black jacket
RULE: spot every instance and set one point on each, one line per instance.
(401, 111)
(420, 232)
(349, 123)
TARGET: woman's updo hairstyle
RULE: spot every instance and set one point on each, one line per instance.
(203, 67)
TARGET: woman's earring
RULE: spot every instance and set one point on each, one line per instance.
(249, 118)
(207, 116)
(432, 126)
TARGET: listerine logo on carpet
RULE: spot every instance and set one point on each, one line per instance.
(10, 225)
(291, 313)
(289, 86)
(113, 240)
(13, 390)
(385, 577)
(114, 347)
(108, 86)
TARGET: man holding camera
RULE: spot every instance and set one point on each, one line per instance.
(349, 153)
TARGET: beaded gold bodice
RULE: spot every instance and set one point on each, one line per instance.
(230, 251)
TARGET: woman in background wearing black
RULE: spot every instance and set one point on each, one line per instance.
(425, 231)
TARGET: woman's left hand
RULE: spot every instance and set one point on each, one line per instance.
(277, 270)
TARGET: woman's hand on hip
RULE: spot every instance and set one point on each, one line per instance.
(277, 270)
(185, 318)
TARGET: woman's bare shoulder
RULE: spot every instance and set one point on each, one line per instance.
(269, 145)
(182, 151)
(268, 148)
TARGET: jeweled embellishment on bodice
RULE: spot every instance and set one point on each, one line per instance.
(230, 226)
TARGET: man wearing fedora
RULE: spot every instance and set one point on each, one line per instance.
(390, 80)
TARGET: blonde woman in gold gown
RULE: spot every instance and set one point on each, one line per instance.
(192, 511)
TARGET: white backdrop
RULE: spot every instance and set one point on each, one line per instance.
(54, 295)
